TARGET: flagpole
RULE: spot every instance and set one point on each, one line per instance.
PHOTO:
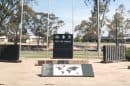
(48, 27)
(72, 16)
(98, 26)
(21, 27)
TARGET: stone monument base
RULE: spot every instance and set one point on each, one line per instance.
(67, 70)
(11, 61)
(61, 61)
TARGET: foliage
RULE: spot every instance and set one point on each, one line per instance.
(119, 23)
(10, 17)
(8, 8)
(88, 29)
(41, 24)
(77, 39)
(127, 53)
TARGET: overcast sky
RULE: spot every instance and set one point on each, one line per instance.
(63, 9)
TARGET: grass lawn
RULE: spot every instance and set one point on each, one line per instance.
(43, 54)
(128, 52)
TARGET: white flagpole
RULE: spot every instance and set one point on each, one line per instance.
(48, 27)
(72, 16)
(21, 27)
(98, 26)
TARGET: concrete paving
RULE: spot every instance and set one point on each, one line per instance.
(26, 74)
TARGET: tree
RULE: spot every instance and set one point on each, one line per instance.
(28, 15)
(10, 17)
(119, 24)
(103, 9)
(89, 28)
(92, 23)
(116, 24)
(40, 25)
(86, 31)
(127, 23)
(7, 10)
(77, 38)
(66, 33)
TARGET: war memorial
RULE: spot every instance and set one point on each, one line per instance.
(35, 51)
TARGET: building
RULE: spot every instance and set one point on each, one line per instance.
(3, 39)
(34, 40)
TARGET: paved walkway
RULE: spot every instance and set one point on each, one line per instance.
(26, 74)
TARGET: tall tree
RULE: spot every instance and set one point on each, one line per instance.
(8, 8)
(86, 31)
(40, 25)
(119, 24)
(10, 17)
(89, 28)
(103, 9)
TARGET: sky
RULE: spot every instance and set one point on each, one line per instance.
(63, 10)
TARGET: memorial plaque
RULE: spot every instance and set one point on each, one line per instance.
(9, 52)
(62, 70)
(47, 70)
(63, 46)
(67, 70)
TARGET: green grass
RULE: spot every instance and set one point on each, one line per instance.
(43, 54)
(35, 54)
(128, 52)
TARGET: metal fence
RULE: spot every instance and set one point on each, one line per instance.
(113, 53)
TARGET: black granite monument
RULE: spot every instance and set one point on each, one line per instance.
(63, 49)
(63, 46)
(9, 52)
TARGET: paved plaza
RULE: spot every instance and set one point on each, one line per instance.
(26, 74)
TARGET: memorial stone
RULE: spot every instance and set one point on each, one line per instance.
(63, 46)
